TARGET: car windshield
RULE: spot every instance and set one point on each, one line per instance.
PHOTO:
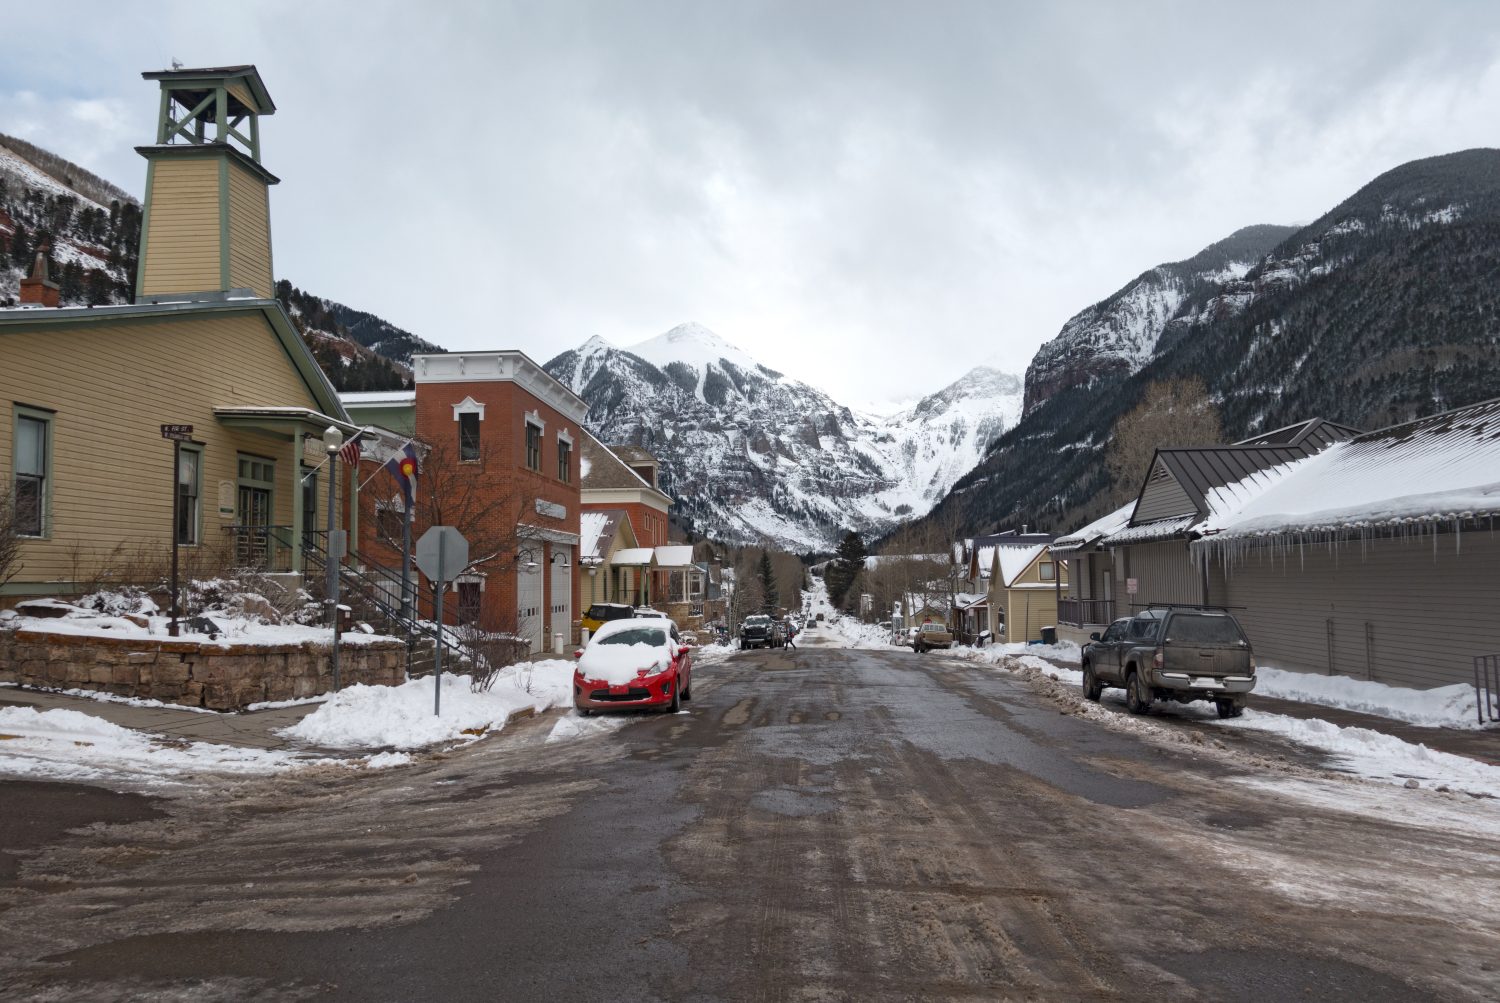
(1204, 628)
(608, 612)
(935, 628)
(654, 636)
(757, 621)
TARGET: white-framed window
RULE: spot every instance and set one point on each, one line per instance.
(564, 460)
(190, 495)
(533, 446)
(468, 413)
(1048, 571)
(32, 481)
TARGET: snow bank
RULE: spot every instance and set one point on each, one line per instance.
(1377, 755)
(859, 635)
(68, 744)
(235, 631)
(401, 717)
(1037, 656)
(1443, 707)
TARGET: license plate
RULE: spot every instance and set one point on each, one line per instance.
(1208, 683)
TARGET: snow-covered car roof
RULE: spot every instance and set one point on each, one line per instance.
(635, 623)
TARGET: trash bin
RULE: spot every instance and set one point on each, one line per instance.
(1049, 635)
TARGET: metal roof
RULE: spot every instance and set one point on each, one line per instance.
(1201, 470)
(1315, 433)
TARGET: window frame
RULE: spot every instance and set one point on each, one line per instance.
(195, 519)
(25, 412)
(532, 442)
(1047, 570)
(564, 460)
(478, 437)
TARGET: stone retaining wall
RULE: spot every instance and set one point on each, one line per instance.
(219, 676)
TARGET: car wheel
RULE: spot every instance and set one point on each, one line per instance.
(676, 704)
(1093, 689)
(1229, 708)
(1137, 695)
(584, 711)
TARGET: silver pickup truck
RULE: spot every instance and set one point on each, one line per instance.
(1172, 653)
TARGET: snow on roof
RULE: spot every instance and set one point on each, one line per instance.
(965, 600)
(1161, 529)
(674, 556)
(1112, 523)
(591, 527)
(1014, 560)
(633, 556)
(1445, 469)
(356, 398)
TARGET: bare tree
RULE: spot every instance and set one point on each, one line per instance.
(1171, 413)
(10, 541)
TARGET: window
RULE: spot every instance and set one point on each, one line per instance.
(564, 460)
(468, 602)
(468, 437)
(309, 505)
(533, 447)
(1048, 571)
(389, 521)
(33, 463)
(189, 485)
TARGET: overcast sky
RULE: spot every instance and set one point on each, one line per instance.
(870, 197)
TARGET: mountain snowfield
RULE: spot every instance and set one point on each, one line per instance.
(750, 454)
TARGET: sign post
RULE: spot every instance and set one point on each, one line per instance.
(442, 553)
(177, 434)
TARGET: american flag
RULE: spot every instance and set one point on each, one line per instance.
(350, 452)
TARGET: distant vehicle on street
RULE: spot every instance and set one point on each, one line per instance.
(601, 613)
(755, 632)
(931, 635)
(630, 664)
(1172, 653)
(820, 617)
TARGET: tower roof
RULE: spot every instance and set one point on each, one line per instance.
(259, 98)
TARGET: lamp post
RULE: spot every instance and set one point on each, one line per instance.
(332, 440)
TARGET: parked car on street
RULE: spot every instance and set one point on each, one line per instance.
(601, 613)
(931, 635)
(631, 664)
(755, 632)
(1180, 653)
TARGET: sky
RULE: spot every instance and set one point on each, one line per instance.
(871, 197)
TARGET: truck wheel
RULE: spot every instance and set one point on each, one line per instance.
(1229, 708)
(1137, 695)
(1093, 689)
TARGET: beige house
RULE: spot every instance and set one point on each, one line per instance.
(601, 536)
(204, 346)
(1024, 583)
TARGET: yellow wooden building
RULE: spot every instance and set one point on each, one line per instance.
(206, 344)
(1023, 589)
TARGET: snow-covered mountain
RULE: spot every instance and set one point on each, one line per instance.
(750, 454)
(1117, 336)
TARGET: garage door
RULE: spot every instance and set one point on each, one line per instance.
(529, 604)
(562, 598)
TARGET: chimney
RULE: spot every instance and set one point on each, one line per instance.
(206, 229)
(36, 288)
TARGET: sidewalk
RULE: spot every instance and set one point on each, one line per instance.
(249, 730)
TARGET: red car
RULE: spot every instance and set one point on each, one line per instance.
(632, 664)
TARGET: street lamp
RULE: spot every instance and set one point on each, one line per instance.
(332, 440)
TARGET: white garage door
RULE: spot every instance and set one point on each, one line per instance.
(562, 598)
(529, 604)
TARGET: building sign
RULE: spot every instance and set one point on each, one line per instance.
(226, 499)
(551, 509)
(1130, 586)
(179, 433)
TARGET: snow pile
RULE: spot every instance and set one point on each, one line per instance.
(1037, 656)
(401, 717)
(1444, 707)
(1377, 755)
(68, 744)
(859, 635)
(618, 664)
(707, 654)
(573, 726)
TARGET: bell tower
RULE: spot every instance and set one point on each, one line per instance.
(207, 218)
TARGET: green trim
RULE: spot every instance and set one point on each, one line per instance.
(41, 588)
(49, 475)
(164, 117)
(209, 150)
(140, 259)
(224, 223)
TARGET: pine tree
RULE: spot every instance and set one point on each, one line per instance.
(844, 568)
(767, 576)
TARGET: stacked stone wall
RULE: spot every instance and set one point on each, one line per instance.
(218, 676)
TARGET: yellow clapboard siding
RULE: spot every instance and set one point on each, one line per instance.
(111, 385)
(183, 249)
(249, 232)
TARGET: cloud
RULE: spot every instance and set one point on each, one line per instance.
(873, 197)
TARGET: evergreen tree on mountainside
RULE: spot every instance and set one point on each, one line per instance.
(358, 369)
(845, 568)
(766, 575)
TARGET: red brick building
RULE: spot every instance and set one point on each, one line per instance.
(503, 444)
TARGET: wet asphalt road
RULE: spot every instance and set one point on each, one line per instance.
(821, 825)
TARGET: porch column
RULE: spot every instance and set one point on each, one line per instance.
(353, 474)
(297, 515)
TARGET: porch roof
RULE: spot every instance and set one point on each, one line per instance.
(634, 557)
